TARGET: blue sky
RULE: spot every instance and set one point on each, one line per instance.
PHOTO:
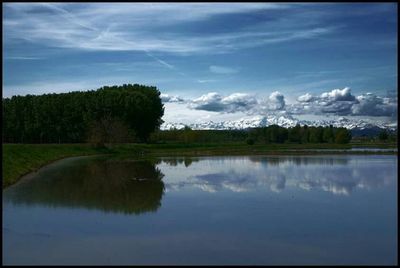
(211, 61)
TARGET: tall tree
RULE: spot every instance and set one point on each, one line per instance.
(66, 117)
(343, 135)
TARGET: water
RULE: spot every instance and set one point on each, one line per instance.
(337, 209)
(354, 149)
(363, 149)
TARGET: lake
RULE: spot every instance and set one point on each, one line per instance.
(321, 209)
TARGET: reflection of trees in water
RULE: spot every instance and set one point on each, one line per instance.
(299, 160)
(187, 161)
(269, 160)
(117, 186)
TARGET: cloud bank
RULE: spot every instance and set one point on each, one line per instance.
(342, 102)
(335, 102)
(370, 104)
(214, 102)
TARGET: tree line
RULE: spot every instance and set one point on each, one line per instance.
(301, 134)
(269, 134)
(188, 135)
(384, 135)
(127, 113)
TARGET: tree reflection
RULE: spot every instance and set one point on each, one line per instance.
(187, 161)
(108, 185)
(299, 160)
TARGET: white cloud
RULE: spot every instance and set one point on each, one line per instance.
(168, 98)
(338, 95)
(335, 102)
(306, 98)
(209, 102)
(236, 102)
(342, 102)
(276, 101)
(372, 105)
(239, 102)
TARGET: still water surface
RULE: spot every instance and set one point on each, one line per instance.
(336, 209)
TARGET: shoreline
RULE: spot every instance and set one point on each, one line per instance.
(21, 159)
(30, 174)
(28, 168)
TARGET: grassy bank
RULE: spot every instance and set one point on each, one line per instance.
(20, 159)
(197, 149)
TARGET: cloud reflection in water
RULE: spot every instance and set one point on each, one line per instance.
(340, 175)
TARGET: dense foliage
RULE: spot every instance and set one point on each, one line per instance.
(101, 115)
(265, 135)
(383, 135)
(187, 135)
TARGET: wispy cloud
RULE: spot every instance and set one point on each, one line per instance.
(54, 85)
(132, 27)
(23, 58)
(206, 80)
(169, 66)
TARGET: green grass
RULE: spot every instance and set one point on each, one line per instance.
(233, 148)
(375, 144)
(20, 159)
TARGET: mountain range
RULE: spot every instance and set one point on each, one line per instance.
(356, 125)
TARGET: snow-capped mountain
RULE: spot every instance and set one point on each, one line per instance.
(283, 121)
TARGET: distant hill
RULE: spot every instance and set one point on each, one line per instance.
(369, 131)
(359, 127)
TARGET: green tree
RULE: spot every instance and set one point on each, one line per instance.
(250, 141)
(67, 117)
(383, 135)
(328, 135)
(316, 134)
(294, 134)
(305, 134)
(343, 135)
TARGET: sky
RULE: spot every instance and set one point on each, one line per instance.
(212, 61)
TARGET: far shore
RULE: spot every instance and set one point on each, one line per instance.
(20, 160)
